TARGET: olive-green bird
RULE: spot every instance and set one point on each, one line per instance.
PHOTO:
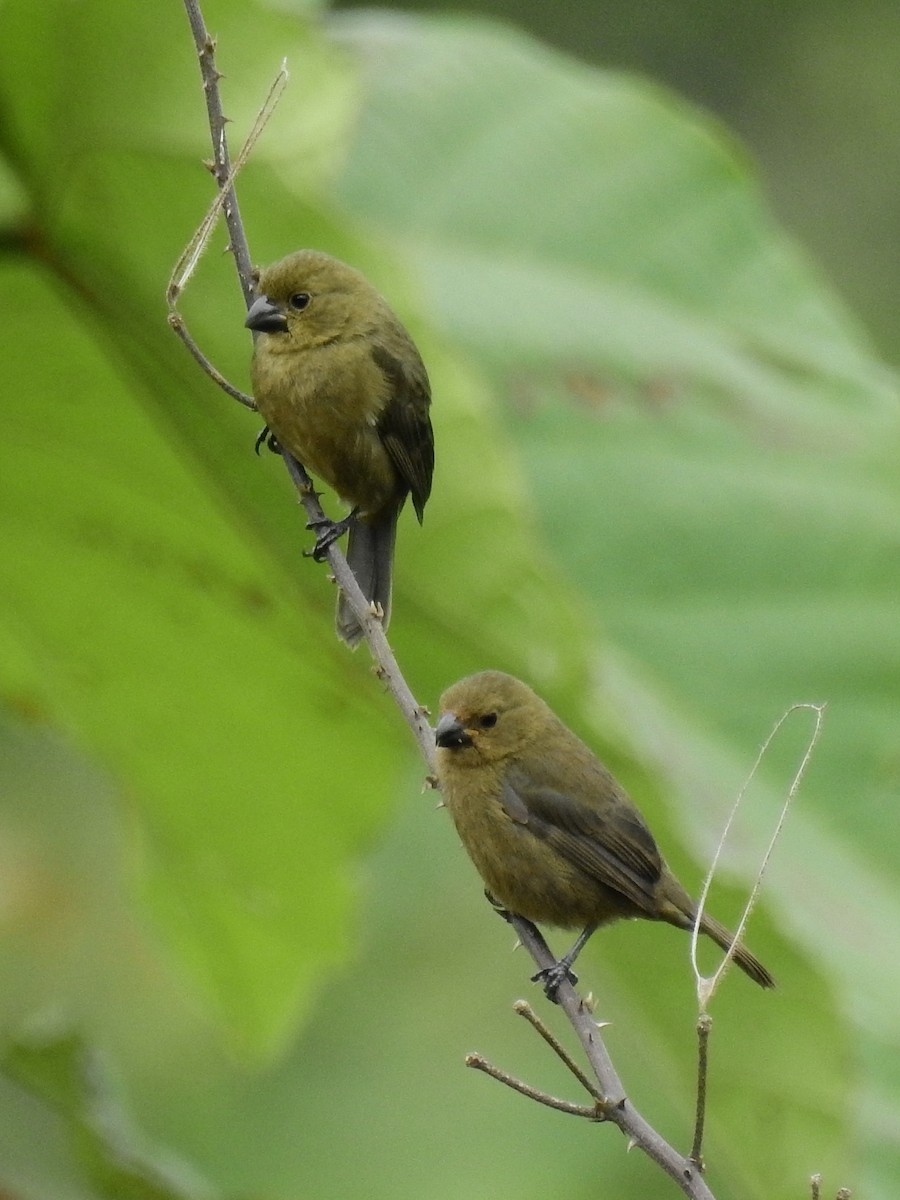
(554, 837)
(342, 388)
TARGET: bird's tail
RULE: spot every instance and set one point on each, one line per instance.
(370, 554)
(748, 963)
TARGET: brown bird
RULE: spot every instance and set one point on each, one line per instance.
(342, 388)
(553, 835)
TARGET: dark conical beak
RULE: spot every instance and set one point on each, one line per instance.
(266, 317)
(450, 733)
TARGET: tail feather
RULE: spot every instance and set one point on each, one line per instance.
(370, 555)
(748, 963)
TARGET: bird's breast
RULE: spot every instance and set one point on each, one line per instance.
(323, 406)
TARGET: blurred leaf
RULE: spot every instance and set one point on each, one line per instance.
(67, 1076)
(707, 448)
(712, 449)
(707, 437)
(145, 623)
(166, 618)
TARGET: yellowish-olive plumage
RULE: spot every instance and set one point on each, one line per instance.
(342, 387)
(554, 837)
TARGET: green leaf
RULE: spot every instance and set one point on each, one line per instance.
(706, 436)
(166, 619)
(145, 612)
(692, 451)
(69, 1079)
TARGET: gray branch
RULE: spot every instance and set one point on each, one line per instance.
(614, 1107)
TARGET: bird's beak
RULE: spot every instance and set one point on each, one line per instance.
(450, 733)
(266, 317)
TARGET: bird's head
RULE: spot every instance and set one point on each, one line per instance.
(487, 717)
(308, 299)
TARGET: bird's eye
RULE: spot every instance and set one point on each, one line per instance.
(299, 300)
(488, 721)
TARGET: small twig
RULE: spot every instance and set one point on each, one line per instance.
(177, 323)
(704, 1027)
(706, 985)
(524, 1009)
(592, 1112)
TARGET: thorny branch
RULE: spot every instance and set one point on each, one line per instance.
(221, 165)
(386, 664)
(609, 1100)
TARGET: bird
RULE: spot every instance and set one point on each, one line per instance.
(554, 836)
(343, 389)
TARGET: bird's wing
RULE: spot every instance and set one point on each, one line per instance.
(614, 847)
(404, 425)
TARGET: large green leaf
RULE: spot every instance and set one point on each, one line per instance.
(157, 607)
(711, 447)
(677, 385)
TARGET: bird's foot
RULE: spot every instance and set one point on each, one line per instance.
(267, 438)
(327, 533)
(498, 908)
(551, 978)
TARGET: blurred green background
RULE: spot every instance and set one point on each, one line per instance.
(809, 88)
(242, 953)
